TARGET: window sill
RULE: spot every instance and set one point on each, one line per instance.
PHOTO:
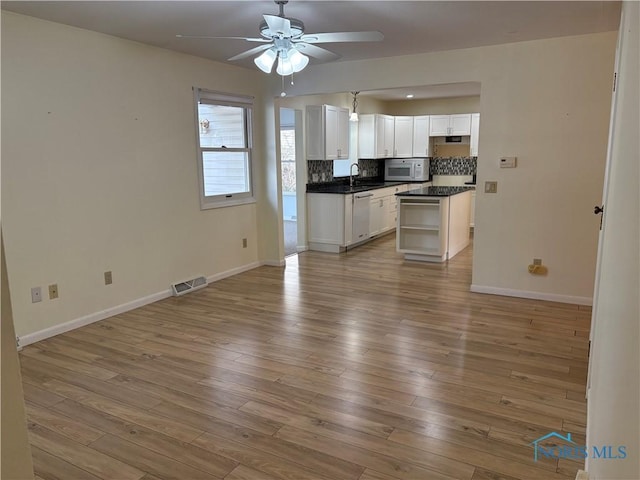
(229, 203)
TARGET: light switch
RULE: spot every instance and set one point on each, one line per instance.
(490, 187)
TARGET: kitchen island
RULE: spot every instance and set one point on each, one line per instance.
(433, 222)
(342, 216)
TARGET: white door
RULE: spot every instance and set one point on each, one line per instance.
(605, 191)
(613, 381)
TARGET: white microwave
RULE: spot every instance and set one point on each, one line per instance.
(406, 169)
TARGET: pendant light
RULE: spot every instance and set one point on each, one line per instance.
(354, 115)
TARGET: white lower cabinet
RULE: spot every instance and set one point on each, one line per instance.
(338, 221)
(330, 221)
(472, 215)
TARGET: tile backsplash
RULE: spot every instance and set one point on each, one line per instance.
(321, 171)
(454, 165)
(374, 168)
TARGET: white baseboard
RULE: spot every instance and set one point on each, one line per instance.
(125, 307)
(91, 318)
(274, 263)
(551, 297)
(582, 475)
(233, 271)
(302, 248)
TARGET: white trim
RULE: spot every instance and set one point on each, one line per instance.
(326, 247)
(233, 271)
(302, 248)
(551, 297)
(582, 475)
(125, 307)
(274, 263)
(91, 318)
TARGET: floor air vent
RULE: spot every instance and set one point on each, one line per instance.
(188, 286)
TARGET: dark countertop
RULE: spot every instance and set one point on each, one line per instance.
(435, 192)
(343, 188)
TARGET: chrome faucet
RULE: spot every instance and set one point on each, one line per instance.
(351, 173)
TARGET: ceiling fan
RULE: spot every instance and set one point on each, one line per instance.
(283, 39)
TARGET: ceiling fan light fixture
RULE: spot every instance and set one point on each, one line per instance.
(298, 60)
(285, 67)
(265, 61)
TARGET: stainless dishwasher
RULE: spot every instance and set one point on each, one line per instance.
(361, 216)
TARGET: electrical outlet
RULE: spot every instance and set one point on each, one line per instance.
(108, 278)
(36, 295)
(490, 187)
(244, 243)
(537, 261)
(53, 291)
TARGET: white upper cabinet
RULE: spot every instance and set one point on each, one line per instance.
(375, 136)
(327, 132)
(421, 136)
(475, 133)
(460, 124)
(439, 125)
(403, 137)
(443, 125)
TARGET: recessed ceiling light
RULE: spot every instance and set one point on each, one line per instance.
(410, 95)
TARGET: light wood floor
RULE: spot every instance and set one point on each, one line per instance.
(353, 366)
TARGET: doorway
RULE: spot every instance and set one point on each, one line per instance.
(288, 169)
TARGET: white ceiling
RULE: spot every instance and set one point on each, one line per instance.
(445, 90)
(408, 27)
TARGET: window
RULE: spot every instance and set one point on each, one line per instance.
(288, 158)
(224, 148)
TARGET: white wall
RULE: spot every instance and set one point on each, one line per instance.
(434, 106)
(15, 461)
(546, 102)
(614, 396)
(99, 171)
(100, 166)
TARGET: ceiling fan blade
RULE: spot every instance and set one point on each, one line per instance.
(261, 40)
(250, 52)
(316, 52)
(278, 25)
(342, 37)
